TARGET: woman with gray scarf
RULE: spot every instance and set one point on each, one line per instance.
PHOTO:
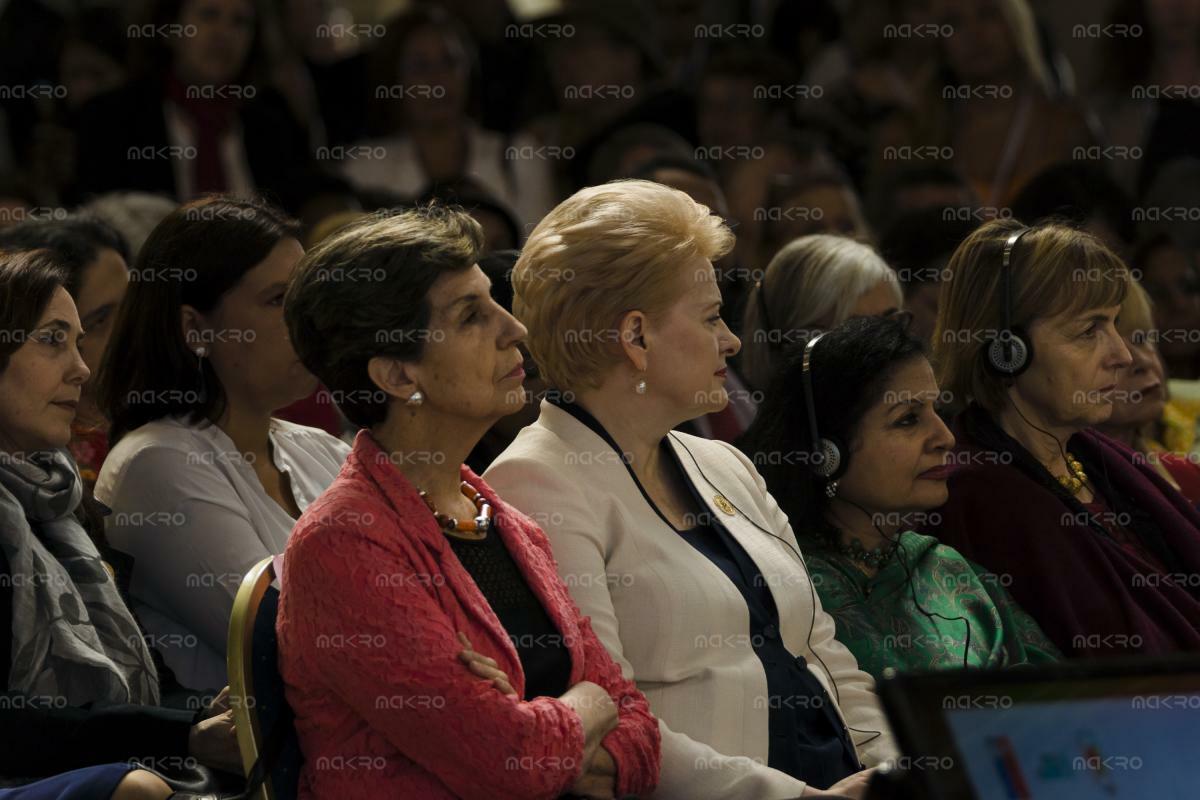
(79, 686)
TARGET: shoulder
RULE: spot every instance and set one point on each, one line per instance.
(165, 439)
(165, 461)
(313, 441)
(539, 465)
(556, 444)
(714, 456)
(352, 509)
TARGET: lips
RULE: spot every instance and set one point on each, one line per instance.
(723, 372)
(937, 473)
(517, 372)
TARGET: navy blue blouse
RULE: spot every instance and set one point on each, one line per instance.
(808, 740)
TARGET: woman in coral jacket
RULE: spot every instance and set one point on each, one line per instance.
(428, 646)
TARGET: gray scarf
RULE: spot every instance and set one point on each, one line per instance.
(74, 641)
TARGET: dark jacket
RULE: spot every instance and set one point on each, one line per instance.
(122, 144)
(1090, 595)
(37, 739)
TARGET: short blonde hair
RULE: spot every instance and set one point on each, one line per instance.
(601, 253)
(1055, 270)
(812, 280)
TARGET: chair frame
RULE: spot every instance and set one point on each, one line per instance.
(239, 662)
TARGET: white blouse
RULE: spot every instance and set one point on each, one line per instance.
(516, 172)
(192, 512)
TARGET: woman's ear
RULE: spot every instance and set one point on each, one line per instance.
(193, 326)
(393, 376)
(632, 337)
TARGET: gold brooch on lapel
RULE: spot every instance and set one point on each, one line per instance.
(723, 504)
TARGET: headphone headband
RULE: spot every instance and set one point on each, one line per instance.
(830, 460)
(1008, 353)
(1006, 275)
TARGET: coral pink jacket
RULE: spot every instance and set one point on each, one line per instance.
(373, 599)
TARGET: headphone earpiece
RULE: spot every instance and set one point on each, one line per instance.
(828, 457)
(1010, 353)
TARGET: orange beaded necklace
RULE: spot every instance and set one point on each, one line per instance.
(474, 529)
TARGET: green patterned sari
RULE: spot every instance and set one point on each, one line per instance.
(881, 625)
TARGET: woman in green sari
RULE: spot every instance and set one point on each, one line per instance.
(900, 599)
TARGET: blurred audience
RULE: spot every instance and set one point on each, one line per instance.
(425, 95)
(917, 246)
(990, 108)
(198, 114)
(1140, 398)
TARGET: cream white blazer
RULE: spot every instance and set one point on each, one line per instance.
(670, 617)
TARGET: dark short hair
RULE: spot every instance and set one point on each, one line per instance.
(75, 242)
(498, 266)
(1074, 192)
(652, 166)
(917, 244)
(467, 196)
(364, 292)
(849, 368)
(193, 257)
(27, 282)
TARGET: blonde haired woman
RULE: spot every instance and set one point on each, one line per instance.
(814, 283)
(1093, 539)
(670, 543)
(1140, 399)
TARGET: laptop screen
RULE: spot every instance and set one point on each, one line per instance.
(1101, 729)
(1134, 747)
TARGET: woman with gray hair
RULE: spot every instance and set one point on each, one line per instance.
(814, 283)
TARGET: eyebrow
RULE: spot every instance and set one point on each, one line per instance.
(1094, 318)
(918, 400)
(59, 325)
(470, 296)
(100, 310)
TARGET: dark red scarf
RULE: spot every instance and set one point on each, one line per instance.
(210, 119)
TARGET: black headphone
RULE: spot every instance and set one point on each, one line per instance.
(1010, 352)
(827, 459)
